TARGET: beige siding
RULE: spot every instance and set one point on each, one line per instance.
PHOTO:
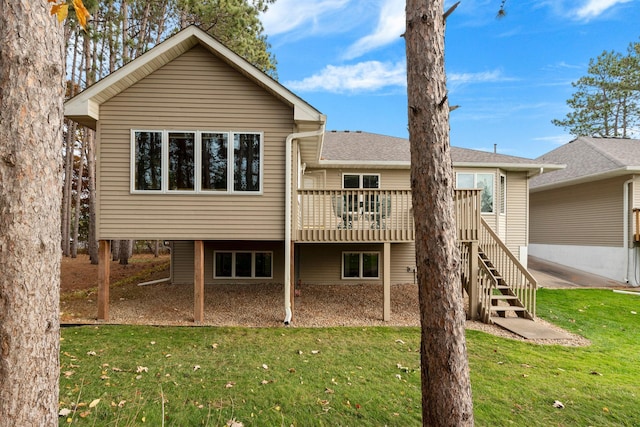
(516, 232)
(196, 91)
(182, 260)
(585, 214)
(390, 179)
(322, 263)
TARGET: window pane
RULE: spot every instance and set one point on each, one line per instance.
(148, 168)
(351, 265)
(485, 182)
(214, 161)
(351, 181)
(465, 180)
(246, 152)
(370, 181)
(370, 265)
(181, 160)
(263, 264)
(243, 264)
(223, 264)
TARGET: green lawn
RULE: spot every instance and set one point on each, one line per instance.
(351, 376)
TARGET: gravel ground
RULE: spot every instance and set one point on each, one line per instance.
(261, 305)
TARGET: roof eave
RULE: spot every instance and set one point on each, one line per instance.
(355, 164)
(588, 178)
(85, 107)
(528, 167)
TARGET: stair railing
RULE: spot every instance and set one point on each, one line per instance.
(487, 282)
(515, 275)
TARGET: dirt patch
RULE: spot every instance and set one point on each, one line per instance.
(79, 274)
(251, 305)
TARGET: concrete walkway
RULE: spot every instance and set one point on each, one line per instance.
(556, 276)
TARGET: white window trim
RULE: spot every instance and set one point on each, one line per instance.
(360, 178)
(360, 266)
(233, 265)
(475, 186)
(197, 164)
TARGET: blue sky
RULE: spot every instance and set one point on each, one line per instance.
(509, 76)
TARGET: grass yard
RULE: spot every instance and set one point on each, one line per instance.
(124, 376)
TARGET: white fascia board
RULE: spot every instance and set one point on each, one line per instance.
(511, 166)
(588, 178)
(355, 164)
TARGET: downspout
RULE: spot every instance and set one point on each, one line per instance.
(287, 215)
(625, 227)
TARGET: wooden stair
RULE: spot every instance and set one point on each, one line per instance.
(504, 302)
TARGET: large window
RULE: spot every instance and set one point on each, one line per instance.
(483, 181)
(196, 161)
(360, 265)
(243, 265)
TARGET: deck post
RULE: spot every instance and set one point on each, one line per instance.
(198, 282)
(104, 272)
(386, 281)
(473, 280)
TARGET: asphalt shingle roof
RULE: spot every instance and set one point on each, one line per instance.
(363, 146)
(587, 157)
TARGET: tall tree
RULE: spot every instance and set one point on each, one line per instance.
(607, 100)
(446, 386)
(31, 94)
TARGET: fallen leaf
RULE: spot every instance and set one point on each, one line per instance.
(141, 369)
(605, 410)
(595, 373)
(315, 351)
(64, 412)
(195, 368)
(229, 384)
(399, 341)
(114, 369)
(121, 403)
(398, 376)
(328, 390)
(94, 403)
(263, 382)
(558, 404)
(91, 353)
(292, 370)
(633, 312)
(214, 345)
(152, 343)
(233, 423)
(168, 355)
(69, 373)
(264, 366)
(85, 414)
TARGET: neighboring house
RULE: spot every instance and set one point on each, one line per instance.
(196, 146)
(583, 216)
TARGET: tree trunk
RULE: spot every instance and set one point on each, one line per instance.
(125, 251)
(78, 206)
(31, 94)
(446, 387)
(92, 244)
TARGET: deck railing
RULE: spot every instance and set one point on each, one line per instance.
(354, 215)
(515, 275)
(364, 215)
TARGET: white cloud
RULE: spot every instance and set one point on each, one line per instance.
(455, 80)
(594, 8)
(391, 25)
(287, 15)
(362, 77)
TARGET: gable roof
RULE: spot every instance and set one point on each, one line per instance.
(590, 159)
(84, 108)
(362, 149)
